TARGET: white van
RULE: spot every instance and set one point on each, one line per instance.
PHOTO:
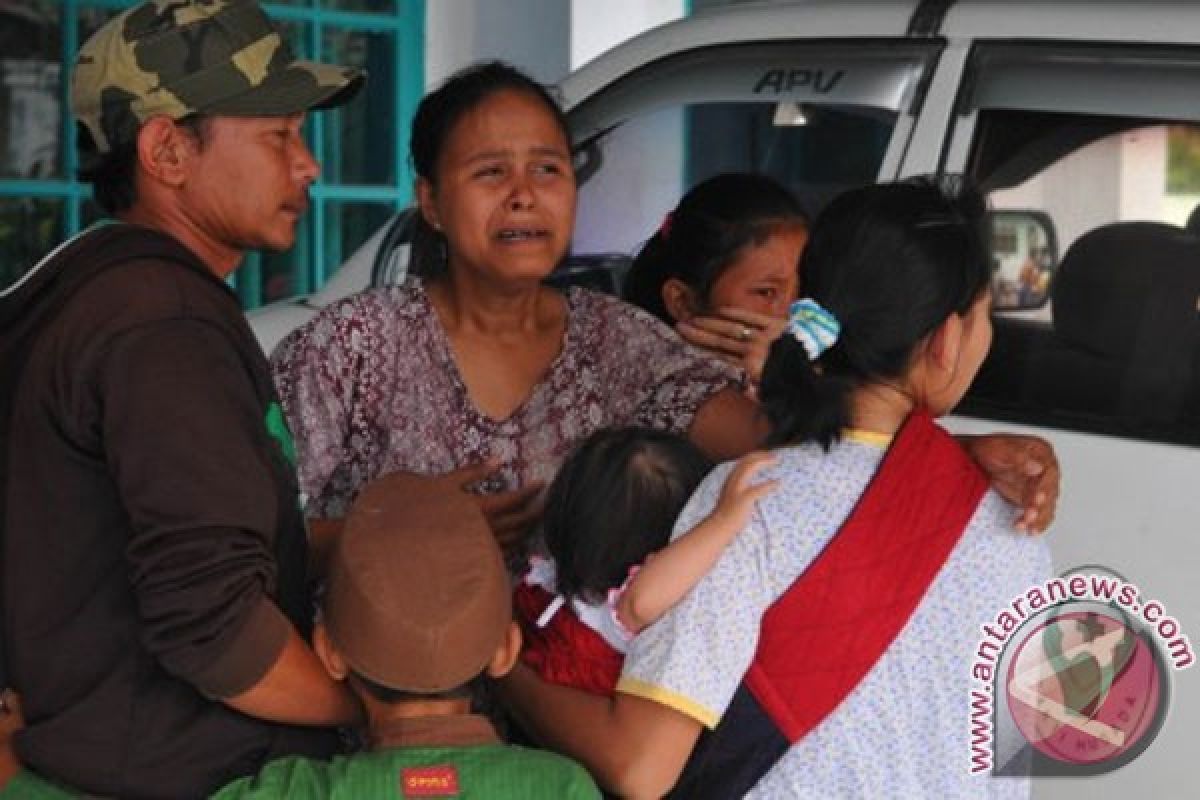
(1081, 121)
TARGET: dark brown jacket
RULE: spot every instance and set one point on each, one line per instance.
(152, 534)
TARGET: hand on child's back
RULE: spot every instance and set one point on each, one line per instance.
(742, 489)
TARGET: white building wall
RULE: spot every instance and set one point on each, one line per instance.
(534, 35)
(546, 38)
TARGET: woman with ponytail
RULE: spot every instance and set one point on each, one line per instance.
(890, 268)
(829, 651)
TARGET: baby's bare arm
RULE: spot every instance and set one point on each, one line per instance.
(670, 574)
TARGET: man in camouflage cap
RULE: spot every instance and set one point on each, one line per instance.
(173, 59)
(153, 572)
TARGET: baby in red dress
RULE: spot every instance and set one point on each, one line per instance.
(612, 568)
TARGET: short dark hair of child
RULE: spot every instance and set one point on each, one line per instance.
(714, 222)
(615, 501)
(891, 262)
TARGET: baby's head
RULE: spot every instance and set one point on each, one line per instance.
(418, 603)
(615, 501)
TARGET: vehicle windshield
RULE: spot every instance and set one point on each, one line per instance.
(819, 117)
(637, 171)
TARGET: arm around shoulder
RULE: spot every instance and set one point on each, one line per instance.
(679, 387)
(671, 573)
(297, 690)
(633, 746)
(728, 425)
(1024, 470)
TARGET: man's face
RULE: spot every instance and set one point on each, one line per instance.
(248, 182)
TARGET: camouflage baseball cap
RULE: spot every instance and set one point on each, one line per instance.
(181, 57)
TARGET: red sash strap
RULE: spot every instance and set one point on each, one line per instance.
(839, 617)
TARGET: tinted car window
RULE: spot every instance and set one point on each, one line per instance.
(1116, 346)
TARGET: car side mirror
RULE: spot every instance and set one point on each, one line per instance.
(1024, 249)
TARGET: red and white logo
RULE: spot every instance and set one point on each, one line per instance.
(1084, 688)
(436, 781)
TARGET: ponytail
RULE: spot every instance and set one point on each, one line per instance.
(805, 401)
(890, 263)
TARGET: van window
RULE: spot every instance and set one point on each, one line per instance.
(1096, 249)
(648, 162)
(820, 118)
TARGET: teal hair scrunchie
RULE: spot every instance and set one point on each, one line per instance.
(815, 328)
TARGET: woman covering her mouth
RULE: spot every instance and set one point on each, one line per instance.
(724, 266)
(474, 366)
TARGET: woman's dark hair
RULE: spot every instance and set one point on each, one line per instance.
(112, 174)
(706, 232)
(615, 501)
(437, 115)
(891, 263)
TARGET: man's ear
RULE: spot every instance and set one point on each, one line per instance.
(506, 653)
(164, 150)
(679, 300)
(328, 653)
(425, 202)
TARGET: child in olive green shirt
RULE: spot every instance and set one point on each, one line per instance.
(418, 609)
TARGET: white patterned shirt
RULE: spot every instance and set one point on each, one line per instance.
(903, 732)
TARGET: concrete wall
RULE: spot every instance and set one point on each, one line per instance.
(531, 34)
(546, 38)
